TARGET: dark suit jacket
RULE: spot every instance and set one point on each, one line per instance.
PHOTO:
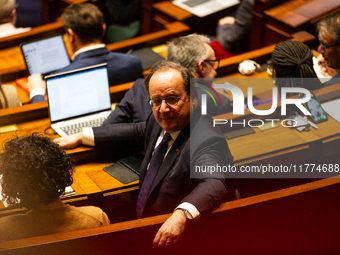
(235, 37)
(173, 184)
(135, 108)
(37, 99)
(121, 67)
(335, 79)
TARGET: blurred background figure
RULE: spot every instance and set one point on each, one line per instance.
(123, 19)
(8, 18)
(233, 32)
(8, 96)
(291, 61)
(35, 173)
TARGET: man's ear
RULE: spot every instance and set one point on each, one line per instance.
(71, 35)
(13, 17)
(201, 68)
(104, 29)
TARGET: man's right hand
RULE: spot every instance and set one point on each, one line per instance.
(69, 141)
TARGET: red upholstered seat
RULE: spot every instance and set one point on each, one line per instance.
(220, 52)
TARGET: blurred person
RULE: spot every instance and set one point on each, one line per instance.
(8, 96)
(292, 66)
(233, 32)
(329, 48)
(85, 27)
(123, 19)
(8, 19)
(35, 173)
(291, 61)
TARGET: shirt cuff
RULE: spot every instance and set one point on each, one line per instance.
(194, 213)
(88, 136)
(37, 91)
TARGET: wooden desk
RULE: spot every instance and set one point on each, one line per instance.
(295, 15)
(166, 12)
(301, 219)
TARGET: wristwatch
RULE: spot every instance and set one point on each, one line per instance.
(186, 213)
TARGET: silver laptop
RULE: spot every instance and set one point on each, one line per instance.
(45, 55)
(77, 99)
(203, 8)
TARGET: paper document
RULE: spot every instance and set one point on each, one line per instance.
(203, 8)
(332, 108)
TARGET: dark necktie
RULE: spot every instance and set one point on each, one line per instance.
(155, 163)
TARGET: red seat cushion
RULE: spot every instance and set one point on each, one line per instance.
(220, 52)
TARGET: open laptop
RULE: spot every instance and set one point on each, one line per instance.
(45, 55)
(78, 98)
(203, 8)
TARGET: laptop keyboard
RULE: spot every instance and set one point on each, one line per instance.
(77, 127)
(193, 3)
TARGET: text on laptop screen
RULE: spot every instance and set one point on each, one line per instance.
(46, 55)
(76, 94)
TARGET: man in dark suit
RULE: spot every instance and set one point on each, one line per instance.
(194, 142)
(85, 27)
(191, 51)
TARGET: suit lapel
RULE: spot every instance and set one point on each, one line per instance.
(170, 159)
(151, 141)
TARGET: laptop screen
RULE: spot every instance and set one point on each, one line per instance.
(45, 55)
(78, 93)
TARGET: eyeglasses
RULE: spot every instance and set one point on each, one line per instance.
(214, 63)
(170, 101)
(325, 46)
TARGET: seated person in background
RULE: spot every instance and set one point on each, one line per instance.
(8, 19)
(123, 19)
(191, 51)
(292, 61)
(35, 173)
(84, 24)
(8, 96)
(329, 48)
(233, 33)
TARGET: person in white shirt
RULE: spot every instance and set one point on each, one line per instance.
(8, 19)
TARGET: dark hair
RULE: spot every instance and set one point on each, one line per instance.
(86, 21)
(331, 26)
(163, 66)
(293, 60)
(35, 171)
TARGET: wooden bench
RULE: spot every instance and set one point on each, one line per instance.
(301, 219)
(36, 32)
(16, 68)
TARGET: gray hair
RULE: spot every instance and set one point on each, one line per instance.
(7, 6)
(330, 26)
(188, 50)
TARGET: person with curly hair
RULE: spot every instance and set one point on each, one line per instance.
(35, 173)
